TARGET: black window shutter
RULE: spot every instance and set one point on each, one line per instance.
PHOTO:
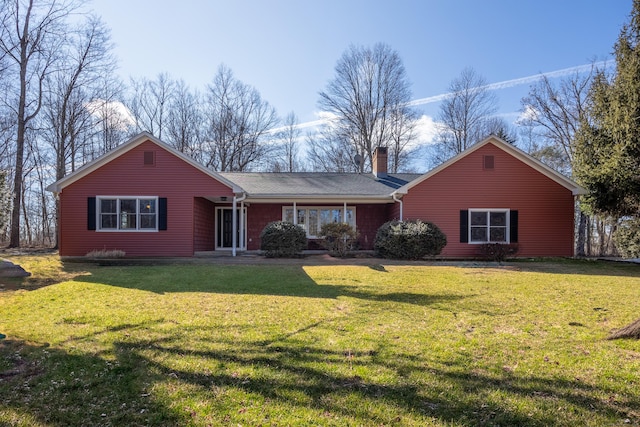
(464, 226)
(513, 226)
(162, 213)
(91, 213)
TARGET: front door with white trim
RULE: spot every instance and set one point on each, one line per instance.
(224, 228)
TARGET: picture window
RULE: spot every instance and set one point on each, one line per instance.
(128, 213)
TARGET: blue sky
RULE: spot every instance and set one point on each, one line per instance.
(288, 49)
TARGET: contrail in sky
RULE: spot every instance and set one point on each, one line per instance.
(515, 82)
(492, 86)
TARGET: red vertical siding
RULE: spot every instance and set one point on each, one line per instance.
(203, 225)
(545, 208)
(368, 219)
(393, 212)
(258, 216)
(127, 175)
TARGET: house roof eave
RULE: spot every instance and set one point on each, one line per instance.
(509, 148)
(127, 146)
(319, 198)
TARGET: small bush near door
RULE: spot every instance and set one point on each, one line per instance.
(338, 238)
(409, 240)
(280, 239)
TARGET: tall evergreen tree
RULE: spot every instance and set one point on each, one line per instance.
(608, 141)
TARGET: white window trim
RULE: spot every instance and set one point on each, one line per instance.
(507, 213)
(295, 208)
(126, 230)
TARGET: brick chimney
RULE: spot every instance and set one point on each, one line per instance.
(380, 162)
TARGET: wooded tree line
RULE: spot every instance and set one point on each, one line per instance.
(63, 105)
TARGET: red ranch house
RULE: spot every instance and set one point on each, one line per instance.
(149, 200)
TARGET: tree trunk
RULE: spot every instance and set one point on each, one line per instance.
(27, 224)
(590, 236)
(630, 331)
(14, 240)
(582, 234)
(602, 238)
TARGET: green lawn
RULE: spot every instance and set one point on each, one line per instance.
(522, 344)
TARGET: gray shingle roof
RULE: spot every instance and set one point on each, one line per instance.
(321, 184)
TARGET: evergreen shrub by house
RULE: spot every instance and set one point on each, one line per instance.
(338, 238)
(409, 240)
(281, 239)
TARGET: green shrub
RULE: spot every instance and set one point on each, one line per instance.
(282, 239)
(338, 238)
(497, 251)
(409, 240)
(627, 238)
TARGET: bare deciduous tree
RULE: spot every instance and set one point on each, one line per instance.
(5, 197)
(68, 122)
(402, 133)
(184, 128)
(286, 156)
(555, 113)
(112, 120)
(369, 91)
(464, 114)
(31, 34)
(72, 88)
(150, 101)
(556, 110)
(238, 122)
(331, 152)
(499, 127)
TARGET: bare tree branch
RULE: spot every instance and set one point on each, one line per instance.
(368, 94)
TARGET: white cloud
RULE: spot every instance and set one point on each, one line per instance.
(528, 114)
(115, 112)
(426, 130)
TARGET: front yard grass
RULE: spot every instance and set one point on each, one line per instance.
(520, 344)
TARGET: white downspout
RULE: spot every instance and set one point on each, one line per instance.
(234, 219)
(234, 226)
(242, 237)
(395, 199)
(295, 213)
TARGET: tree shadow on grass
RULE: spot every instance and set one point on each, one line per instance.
(47, 386)
(284, 369)
(201, 381)
(578, 266)
(250, 280)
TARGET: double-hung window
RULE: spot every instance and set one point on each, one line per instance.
(489, 226)
(127, 213)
